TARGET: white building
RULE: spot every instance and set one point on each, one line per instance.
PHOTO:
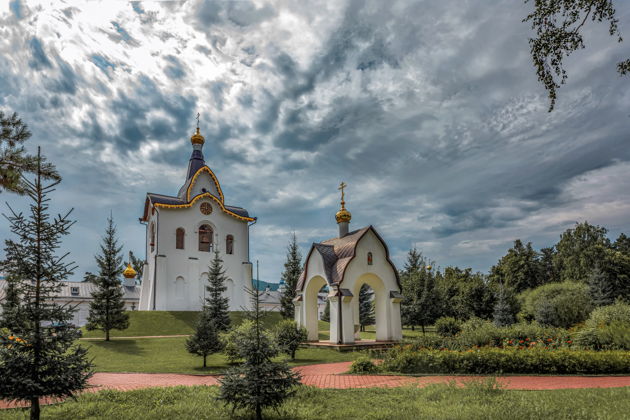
(182, 233)
(344, 264)
(79, 295)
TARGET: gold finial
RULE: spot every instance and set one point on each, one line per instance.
(197, 138)
(129, 272)
(343, 215)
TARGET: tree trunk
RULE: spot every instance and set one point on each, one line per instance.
(423, 333)
(292, 354)
(35, 408)
(258, 412)
(204, 360)
(413, 327)
(106, 335)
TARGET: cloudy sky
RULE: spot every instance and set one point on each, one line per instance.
(429, 110)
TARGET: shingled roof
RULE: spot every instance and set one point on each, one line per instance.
(337, 254)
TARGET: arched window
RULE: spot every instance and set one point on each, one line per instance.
(152, 237)
(205, 238)
(179, 238)
(229, 244)
(369, 258)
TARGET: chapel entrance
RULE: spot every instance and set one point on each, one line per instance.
(380, 302)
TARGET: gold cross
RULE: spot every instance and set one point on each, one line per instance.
(197, 120)
(341, 187)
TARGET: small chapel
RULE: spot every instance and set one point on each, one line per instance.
(184, 231)
(342, 265)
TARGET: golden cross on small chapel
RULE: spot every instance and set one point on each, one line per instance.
(341, 188)
(197, 120)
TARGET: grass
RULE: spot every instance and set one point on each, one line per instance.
(146, 323)
(475, 401)
(169, 355)
(370, 332)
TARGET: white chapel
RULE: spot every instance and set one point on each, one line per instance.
(182, 233)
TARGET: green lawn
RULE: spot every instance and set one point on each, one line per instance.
(169, 355)
(433, 402)
(142, 323)
(370, 332)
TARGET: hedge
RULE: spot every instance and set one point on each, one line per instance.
(506, 360)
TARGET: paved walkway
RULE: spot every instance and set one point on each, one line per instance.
(330, 375)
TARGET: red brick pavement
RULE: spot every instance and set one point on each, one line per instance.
(330, 375)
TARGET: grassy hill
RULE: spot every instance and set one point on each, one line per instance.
(144, 323)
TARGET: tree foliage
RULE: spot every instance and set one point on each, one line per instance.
(366, 307)
(258, 382)
(137, 264)
(107, 308)
(558, 25)
(557, 304)
(579, 251)
(291, 274)
(217, 305)
(420, 305)
(205, 341)
(289, 336)
(38, 356)
(14, 161)
(519, 269)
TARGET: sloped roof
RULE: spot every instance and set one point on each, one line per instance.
(85, 290)
(337, 254)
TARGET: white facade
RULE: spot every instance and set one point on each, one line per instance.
(182, 233)
(345, 264)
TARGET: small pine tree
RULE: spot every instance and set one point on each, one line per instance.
(503, 314)
(366, 307)
(205, 340)
(217, 305)
(42, 360)
(600, 288)
(291, 274)
(259, 382)
(326, 314)
(107, 309)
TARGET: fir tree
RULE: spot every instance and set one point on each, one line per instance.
(366, 307)
(259, 382)
(137, 264)
(107, 309)
(216, 304)
(205, 340)
(14, 161)
(41, 359)
(10, 304)
(326, 314)
(291, 274)
(599, 288)
(503, 314)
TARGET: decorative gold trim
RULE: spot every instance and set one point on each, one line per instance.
(214, 178)
(204, 195)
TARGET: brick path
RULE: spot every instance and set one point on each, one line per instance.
(330, 375)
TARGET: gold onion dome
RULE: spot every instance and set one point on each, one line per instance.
(343, 215)
(197, 138)
(129, 272)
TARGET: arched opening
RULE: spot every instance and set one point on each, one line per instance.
(311, 292)
(205, 238)
(179, 238)
(179, 287)
(378, 298)
(152, 237)
(229, 244)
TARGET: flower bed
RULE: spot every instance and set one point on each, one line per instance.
(538, 360)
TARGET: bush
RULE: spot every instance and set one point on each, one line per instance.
(615, 336)
(289, 336)
(363, 365)
(477, 332)
(233, 340)
(557, 304)
(606, 315)
(447, 326)
(507, 360)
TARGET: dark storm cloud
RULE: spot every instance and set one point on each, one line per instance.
(39, 60)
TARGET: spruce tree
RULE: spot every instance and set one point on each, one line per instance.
(366, 307)
(107, 309)
(326, 314)
(137, 264)
(41, 358)
(259, 382)
(503, 313)
(205, 340)
(291, 274)
(217, 305)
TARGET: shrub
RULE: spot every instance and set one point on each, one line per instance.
(447, 326)
(363, 365)
(477, 332)
(605, 315)
(233, 340)
(289, 336)
(557, 304)
(507, 360)
(429, 342)
(615, 336)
